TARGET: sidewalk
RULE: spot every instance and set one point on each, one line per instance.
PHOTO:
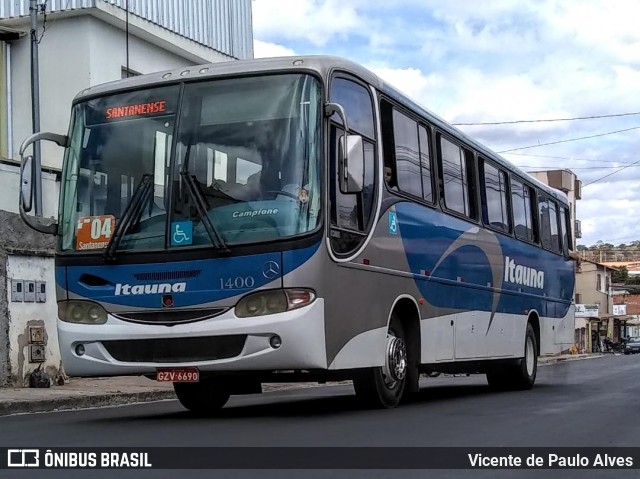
(82, 393)
(543, 360)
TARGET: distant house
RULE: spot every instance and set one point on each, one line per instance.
(633, 267)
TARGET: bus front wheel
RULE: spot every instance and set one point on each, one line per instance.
(382, 387)
(522, 374)
(204, 398)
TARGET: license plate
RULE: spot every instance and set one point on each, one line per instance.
(183, 375)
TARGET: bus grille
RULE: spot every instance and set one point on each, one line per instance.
(170, 316)
(176, 350)
(167, 275)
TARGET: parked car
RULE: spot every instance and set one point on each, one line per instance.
(632, 345)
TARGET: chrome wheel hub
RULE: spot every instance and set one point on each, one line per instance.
(395, 364)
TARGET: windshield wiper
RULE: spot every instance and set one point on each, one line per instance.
(131, 213)
(201, 208)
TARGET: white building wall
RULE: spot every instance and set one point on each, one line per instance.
(10, 189)
(76, 53)
(23, 315)
(223, 25)
(108, 54)
(64, 71)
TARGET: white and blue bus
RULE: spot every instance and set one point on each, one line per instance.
(296, 219)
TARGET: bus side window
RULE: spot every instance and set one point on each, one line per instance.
(407, 154)
(388, 145)
(457, 178)
(522, 197)
(549, 225)
(493, 189)
(425, 163)
(565, 232)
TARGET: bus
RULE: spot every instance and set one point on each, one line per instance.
(296, 219)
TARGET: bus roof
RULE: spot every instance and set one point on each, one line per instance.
(324, 65)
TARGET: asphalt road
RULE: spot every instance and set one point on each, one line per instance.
(588, 403)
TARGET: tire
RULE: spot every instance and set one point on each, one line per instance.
(522, 374)
(383, 387)
(204, 398)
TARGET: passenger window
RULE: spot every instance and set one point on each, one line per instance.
(495, 211)
(549, 225)
(425, 164)
(407, 154)
(521, 201)
(455, 174)
(564, 229)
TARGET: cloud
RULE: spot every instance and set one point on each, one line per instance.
(265, 49)
(500, 60)
(314, 21)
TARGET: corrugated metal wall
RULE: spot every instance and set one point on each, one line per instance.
(224, 25)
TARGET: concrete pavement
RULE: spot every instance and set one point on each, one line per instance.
(80, 393)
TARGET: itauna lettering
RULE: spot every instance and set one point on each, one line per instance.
(135, 110)
(518, 274)
(157, 288)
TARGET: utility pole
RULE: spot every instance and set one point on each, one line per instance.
(127, 34)
(34, 8)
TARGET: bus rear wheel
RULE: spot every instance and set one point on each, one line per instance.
(383, 387)
(204, 398)
(522, 374)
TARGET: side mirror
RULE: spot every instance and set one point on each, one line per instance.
(26, 183)
(30, 189)
(351, 154)
(352, 164)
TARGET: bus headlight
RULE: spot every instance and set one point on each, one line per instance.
(81, 312)
(273, 301)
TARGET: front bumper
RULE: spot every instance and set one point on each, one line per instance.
(301, 332)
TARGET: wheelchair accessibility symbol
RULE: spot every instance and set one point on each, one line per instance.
(181, 233)
(393, 223)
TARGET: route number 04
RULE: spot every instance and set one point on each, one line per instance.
(101, 227)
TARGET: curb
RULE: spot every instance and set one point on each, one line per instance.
(556, 360)
(82, 402)
(70, 403)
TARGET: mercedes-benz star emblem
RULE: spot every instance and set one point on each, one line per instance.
(271, 270)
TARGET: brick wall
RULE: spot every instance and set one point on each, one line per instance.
(631, 300)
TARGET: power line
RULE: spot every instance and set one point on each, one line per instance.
(570, 139)
(636, 237)
(513, 122)
(613, 173)
(576, 167)
(569, 158)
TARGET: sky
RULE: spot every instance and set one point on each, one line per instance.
(472, 61)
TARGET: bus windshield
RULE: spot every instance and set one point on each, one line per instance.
(232, 161)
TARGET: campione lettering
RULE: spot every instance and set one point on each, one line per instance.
(251, 214)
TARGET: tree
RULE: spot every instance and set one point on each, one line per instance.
(620, 275)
